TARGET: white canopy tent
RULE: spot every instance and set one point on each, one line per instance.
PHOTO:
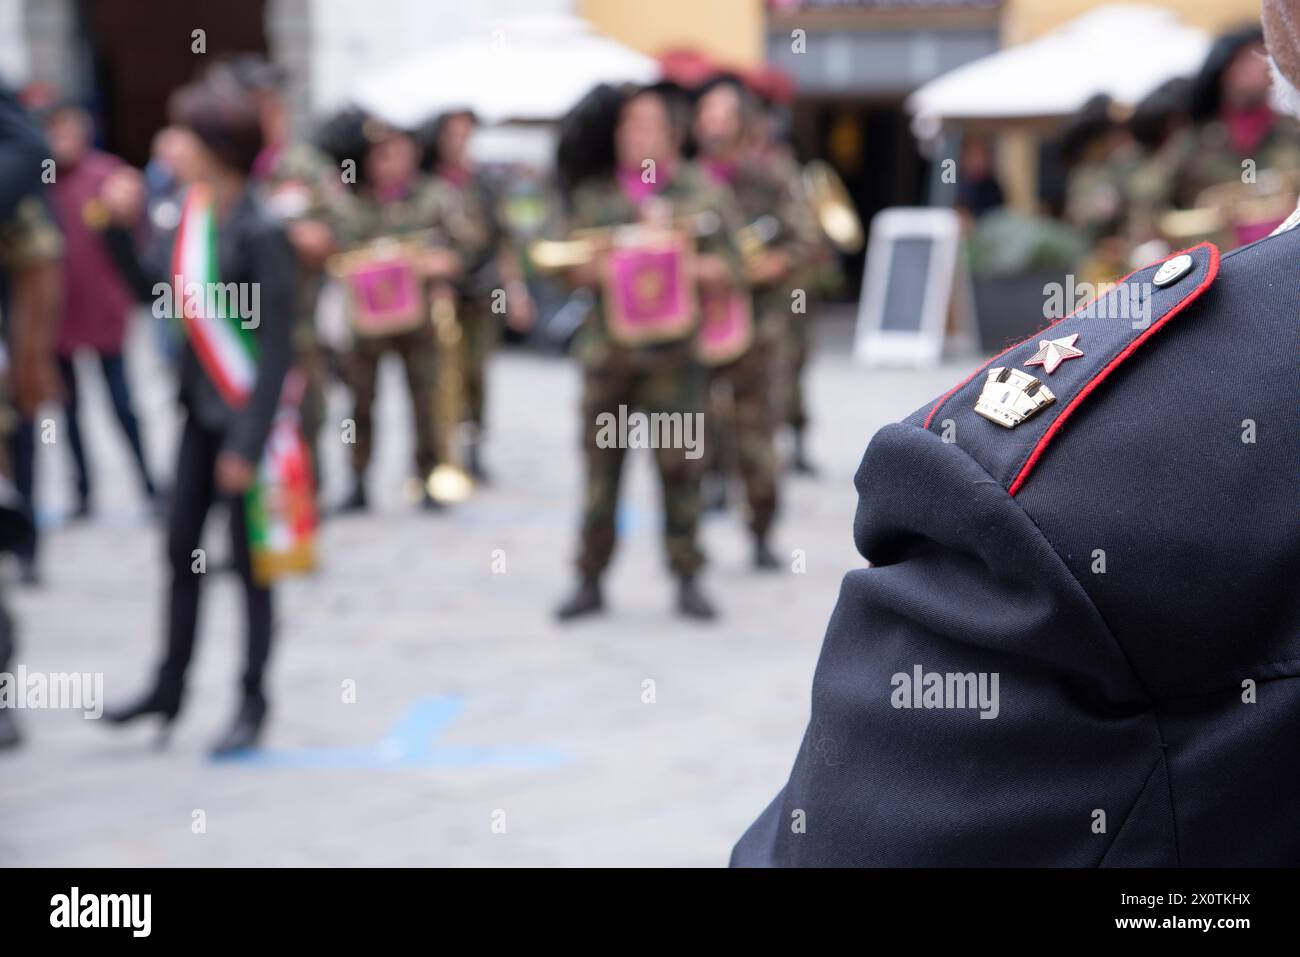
(1124, 51)
(534, 69)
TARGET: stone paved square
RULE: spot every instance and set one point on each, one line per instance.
(472, 706)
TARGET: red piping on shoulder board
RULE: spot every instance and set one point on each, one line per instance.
(1211, 271)
(1214, 268)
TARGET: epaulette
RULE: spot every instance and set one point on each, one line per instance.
(1006, 414)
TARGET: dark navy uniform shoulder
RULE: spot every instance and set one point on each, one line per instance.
(1103, 519)
(1007, 413)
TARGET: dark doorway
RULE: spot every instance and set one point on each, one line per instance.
(871, 146)
(141, 50)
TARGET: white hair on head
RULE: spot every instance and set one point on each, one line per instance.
(1286, 96)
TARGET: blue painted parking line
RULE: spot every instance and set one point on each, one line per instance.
(410, 744)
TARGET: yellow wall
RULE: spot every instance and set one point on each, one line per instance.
(731, 31)
(1025, 19)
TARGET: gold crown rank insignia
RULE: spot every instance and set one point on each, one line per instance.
(1010, 396)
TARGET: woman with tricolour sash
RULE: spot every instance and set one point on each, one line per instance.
(226, 277)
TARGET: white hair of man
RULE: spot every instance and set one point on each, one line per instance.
(1286, 95)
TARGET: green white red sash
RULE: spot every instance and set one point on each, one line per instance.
(280, 506)
(226, 350)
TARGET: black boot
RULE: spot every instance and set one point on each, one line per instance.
(585, 600)
(800, 464)
(691, 602)
(764, 560)
(356, 500)
(245, 729)
(9, 735)
(164, 703)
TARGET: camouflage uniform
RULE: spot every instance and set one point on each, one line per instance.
(1096, 204)
(299, 187)
(28, 238)
(651, 378)
(1150, 191)
(753, 379)
(471, 209)
(358, 218)
(816, 274)
(1207, 158)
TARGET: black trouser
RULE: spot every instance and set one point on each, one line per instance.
(120, 393)
(194, 495)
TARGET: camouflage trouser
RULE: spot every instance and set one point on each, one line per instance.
(668, 383)
(742, 411)
(419, 352)
(478, 328)
(796, 344)
(309, 356)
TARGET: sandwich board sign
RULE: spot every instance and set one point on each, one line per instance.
(907, 286)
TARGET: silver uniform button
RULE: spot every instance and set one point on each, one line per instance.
(1173, 270)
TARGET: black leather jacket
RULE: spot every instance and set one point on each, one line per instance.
(252, 249)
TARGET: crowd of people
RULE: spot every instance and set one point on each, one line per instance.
(680, 211)
(1205, 157)
(698, 248)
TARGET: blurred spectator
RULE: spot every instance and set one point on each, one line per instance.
(1100, 158)
(978, 189)
(96, 303)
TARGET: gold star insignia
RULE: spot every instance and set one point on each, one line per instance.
(1052, 352)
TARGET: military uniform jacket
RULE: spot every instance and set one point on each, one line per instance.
(471, 214)
(766, 192)
(602, 203)
(1125, 561)
(424, 216)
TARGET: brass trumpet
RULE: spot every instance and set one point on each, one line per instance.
(582, 246)
(832, 206)
(404, 246)
(449, 482)
(1222, 210)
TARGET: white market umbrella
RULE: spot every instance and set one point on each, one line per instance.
(534, 68)
(1124, 51)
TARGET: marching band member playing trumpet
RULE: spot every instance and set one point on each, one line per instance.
(621, 164)
(492, 267)
(393, 225)
(780, 236)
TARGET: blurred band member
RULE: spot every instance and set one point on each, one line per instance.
(1157, 123)
(783, 236)
(222, 441)
(389, 204)
(620, 161)
(978, 189)
(1236, 133)
(817, 274)
(492, 282)
(96, 303)
(30, 247)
